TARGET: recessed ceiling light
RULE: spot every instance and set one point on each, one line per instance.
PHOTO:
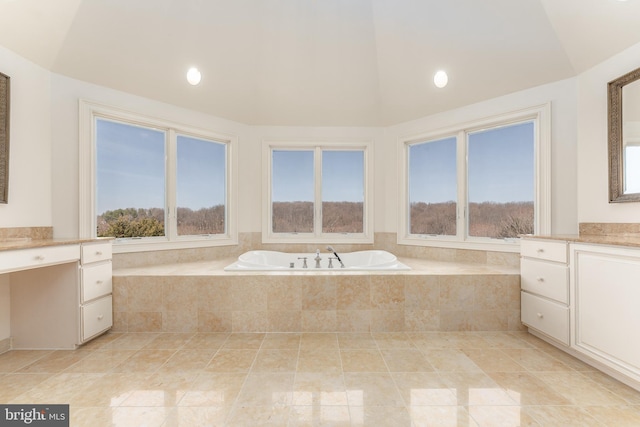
(194, 76)
(440, 79)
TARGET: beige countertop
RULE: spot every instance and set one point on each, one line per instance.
(631, 240)
(13, 243)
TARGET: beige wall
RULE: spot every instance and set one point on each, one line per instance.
(30, 143)
(593, 187)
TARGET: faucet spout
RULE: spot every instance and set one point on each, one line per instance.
(317, 259)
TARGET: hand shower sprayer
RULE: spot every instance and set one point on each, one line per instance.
(330, 249)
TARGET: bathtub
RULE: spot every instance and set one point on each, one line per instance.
(282, 261)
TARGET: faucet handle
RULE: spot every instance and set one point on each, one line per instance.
(304, 261)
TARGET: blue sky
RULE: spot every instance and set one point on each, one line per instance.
(342, 176)
(131, 169)
(501, 167)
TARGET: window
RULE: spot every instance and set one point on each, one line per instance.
(201, 186)
(153, 184)
(130, 180)
(318, 193)
(432, 187)
(501, 181)
(478, 185)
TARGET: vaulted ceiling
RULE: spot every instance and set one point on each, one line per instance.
(319, 62)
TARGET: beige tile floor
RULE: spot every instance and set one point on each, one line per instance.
(387, 379)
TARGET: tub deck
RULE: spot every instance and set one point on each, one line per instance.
(202, 297)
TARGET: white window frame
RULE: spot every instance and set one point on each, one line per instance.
(541, 116)
(268, 236)
(89, 112)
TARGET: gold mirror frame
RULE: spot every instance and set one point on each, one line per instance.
(4, 137)
(616, 155)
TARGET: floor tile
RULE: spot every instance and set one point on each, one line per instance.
(471, 379)
(319, 416)
(243, 341)
(319, 389)
(441, 416)
(212, 341)
(319, 361)
(213, 389)
(579, 389)
(565, 416)
(450, 360)
(232, 361)
(281, 341)
(424, 389)
(371, 389)
(362, 360)
(619, 416)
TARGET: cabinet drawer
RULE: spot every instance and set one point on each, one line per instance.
(546, 279)
(38, 257)
(547, 250)
(546, 316)
(94, 252)
(96, 317)
(96, 281)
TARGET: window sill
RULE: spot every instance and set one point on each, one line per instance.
(135, 245)
(307, 239)
(493, 245)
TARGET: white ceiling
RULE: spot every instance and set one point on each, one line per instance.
(319, 62)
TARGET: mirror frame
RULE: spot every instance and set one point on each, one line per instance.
(5, 98)
(616, 155)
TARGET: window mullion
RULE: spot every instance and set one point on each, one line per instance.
(317, 223)
(171, 205)
(462, 205)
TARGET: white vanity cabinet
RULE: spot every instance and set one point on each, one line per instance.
(95, 290)
(544, 279)
(59, 292)
(606, 300)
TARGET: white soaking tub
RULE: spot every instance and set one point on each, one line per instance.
(374, 260)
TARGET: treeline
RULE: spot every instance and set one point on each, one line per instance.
(487, 219)
(337, 217)
(132, 222)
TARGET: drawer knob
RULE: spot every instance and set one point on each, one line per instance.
(100, 317)
(98, 253)
(540, 316)
(39, 258)
(540, 250)
(99, 282)
(540, 279)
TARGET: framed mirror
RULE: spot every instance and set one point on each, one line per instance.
(4, 137)
(624, 138)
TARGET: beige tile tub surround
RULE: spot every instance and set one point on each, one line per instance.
(201, 297)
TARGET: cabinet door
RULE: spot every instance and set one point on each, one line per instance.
(607, 304)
